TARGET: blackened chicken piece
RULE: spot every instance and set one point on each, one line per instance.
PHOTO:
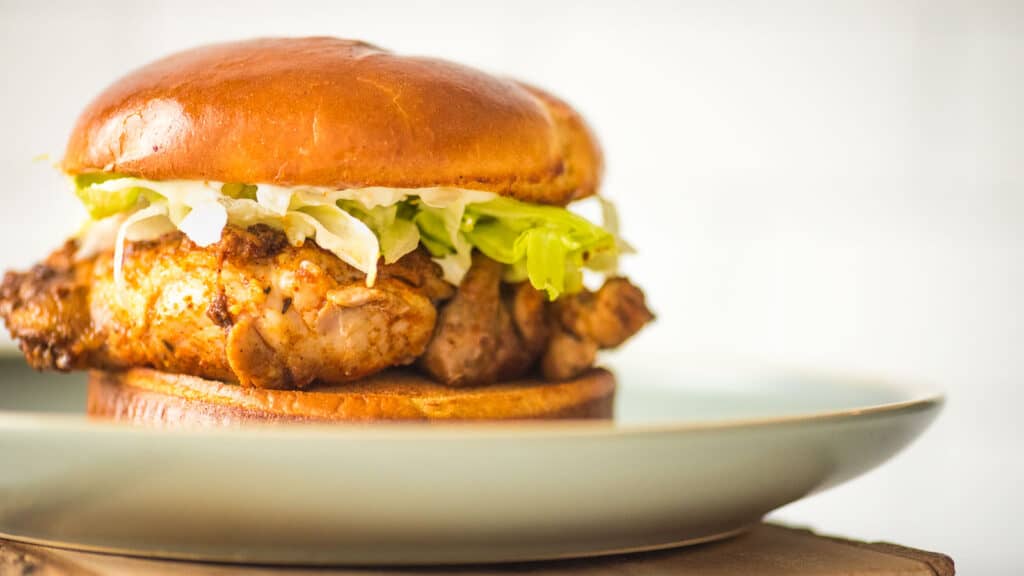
(588, 321)
(488, 333)
(608, 317)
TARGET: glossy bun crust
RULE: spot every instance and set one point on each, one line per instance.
(338, 113)
(144, 396)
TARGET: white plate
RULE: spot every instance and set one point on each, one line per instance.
(703, 459)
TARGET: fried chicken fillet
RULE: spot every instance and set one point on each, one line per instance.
(253, 310)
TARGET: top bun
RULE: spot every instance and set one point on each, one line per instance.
(337, 113)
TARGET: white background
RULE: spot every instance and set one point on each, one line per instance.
(834, 184)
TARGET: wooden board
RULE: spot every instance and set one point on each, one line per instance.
(768, 550)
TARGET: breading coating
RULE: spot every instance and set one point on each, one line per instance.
(249, 309)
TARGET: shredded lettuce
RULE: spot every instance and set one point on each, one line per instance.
(393, 225)
(103, 203)
(547, 245)
(133, 221)
(336, 231)
(550, 244)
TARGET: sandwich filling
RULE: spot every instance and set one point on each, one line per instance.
(287, 287)
(547, 245)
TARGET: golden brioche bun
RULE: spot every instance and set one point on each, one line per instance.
(338, 113)
(145, 396)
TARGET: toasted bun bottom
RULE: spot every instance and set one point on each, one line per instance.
(144, 396)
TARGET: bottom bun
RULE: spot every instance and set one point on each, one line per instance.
(144, 396)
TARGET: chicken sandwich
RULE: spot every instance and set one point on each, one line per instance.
(318, 229)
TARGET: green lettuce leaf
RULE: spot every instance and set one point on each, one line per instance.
(101, 203)
(547, 245)
(393, 225)
(433, 233)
